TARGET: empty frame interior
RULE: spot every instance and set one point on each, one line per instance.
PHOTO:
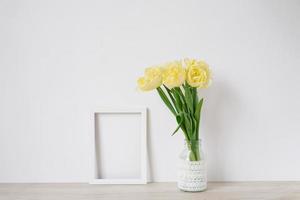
(119, 147)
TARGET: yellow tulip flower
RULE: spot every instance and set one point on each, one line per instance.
(198, 73)
(173, 74)
(152, 79)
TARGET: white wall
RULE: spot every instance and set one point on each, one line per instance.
(60, 58)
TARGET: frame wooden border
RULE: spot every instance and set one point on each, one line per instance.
(143, 163)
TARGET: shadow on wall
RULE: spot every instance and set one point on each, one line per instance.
(222, 106)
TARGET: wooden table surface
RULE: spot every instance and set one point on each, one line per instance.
(160, 191)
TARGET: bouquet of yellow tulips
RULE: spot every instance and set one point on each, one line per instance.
(176, 83)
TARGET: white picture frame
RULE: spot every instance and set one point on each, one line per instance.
(143, 142)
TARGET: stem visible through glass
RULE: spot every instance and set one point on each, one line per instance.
(193, 146)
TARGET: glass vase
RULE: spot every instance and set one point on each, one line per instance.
(192, 175)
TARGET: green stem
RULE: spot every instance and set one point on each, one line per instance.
(165, 99)
(193, 146)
